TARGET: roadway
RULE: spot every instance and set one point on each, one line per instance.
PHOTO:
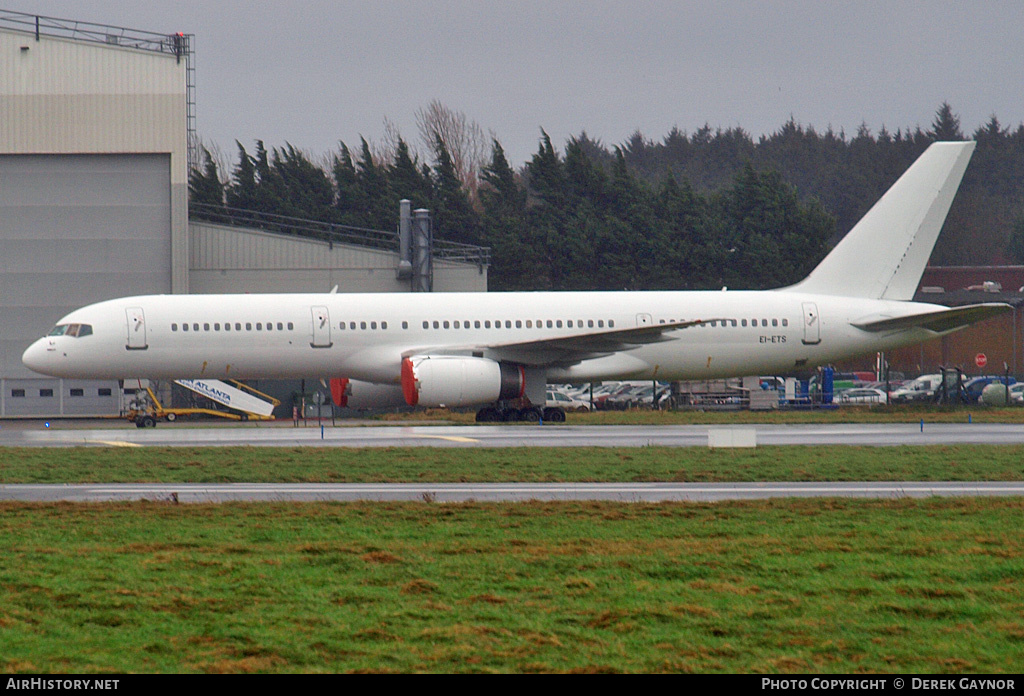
(494, 492)
(71, 434)
(35, 434)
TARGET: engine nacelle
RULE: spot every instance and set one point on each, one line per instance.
(454, 380)
(352, 393)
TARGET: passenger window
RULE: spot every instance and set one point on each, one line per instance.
(384, 326)
(238, 326)
(785, 322)
(600, 323)
(743, 322)
(569, 324)
(248, 326)
(550, 324)
(426, 325)
(373, 325)
(216, 326)
(529, 323)
(437, 324)
(487, 324)
(362, 325)
(280, 326)
(291, 326)
(611, 323)
(174, 327)
(341, 326)
(456, 324)
(508, 324)
(195, 327)
(184, 327)
(590, 323)
(447, 325)
(775, 322)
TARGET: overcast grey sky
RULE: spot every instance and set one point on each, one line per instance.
(318, 71)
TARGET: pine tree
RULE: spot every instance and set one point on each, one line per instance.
(204, 186)
(946, 125)
(241, 192)
(454, 217)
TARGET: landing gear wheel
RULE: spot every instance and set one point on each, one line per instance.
(147, 422)
(531, 415)
(554, 415)
(488, 414)
(171, 417)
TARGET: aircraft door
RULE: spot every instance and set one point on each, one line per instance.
(321, 327)
(644, 320)
(812, 324)
(136, 329)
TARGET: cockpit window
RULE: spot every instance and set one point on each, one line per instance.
(76, 330)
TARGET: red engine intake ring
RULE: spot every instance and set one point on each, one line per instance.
(409, 390)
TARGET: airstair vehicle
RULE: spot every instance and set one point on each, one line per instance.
(240, 402)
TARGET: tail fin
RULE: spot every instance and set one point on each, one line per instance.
(884, 255)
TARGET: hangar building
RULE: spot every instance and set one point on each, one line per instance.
(97, 125)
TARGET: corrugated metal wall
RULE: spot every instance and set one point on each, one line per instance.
(62, 96)
(227, 259)
(93, 197)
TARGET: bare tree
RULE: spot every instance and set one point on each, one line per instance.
(219, 158)
(464, 139)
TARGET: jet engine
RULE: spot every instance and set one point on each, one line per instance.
(352, 393)
(452, 380)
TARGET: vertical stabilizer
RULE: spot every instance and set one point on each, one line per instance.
(884, 255)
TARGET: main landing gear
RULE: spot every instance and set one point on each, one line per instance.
(503, 412)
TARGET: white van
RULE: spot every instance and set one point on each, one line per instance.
(921, 389)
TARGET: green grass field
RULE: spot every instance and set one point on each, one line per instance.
(528, 464)
(768, 586)
(825, 585)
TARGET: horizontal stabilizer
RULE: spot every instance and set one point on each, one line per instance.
(939, 321)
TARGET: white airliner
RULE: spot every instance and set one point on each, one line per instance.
(459, 349)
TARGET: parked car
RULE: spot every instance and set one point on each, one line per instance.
(624, 397)
(1017, 393)
(920, 389)
(643, 397)
(976, 385)
(862, 395)
(556, 399)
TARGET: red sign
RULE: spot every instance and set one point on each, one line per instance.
(981, 360)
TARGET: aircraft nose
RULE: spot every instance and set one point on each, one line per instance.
(40, 356)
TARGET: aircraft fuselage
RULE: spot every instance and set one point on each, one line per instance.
(366, 336)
